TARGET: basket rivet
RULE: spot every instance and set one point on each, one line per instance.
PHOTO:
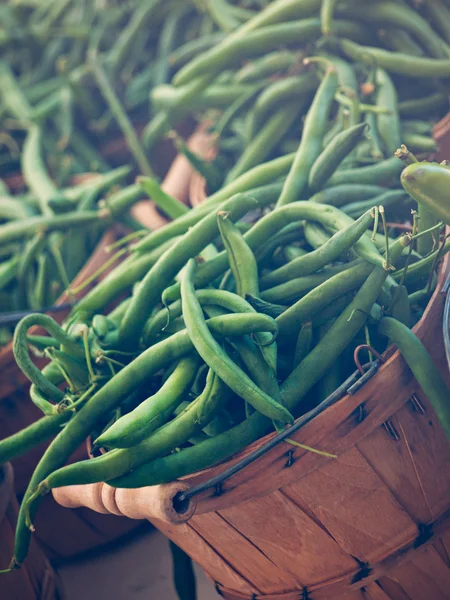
(425, 533)
(391, 430)
(218, 490)
(417, 404)
(290, 460)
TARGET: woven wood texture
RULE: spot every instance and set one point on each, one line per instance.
(36, 580)
(373, 523)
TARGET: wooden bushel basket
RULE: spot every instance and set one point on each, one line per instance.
(372, 524)
(63, 533)
(36, 580)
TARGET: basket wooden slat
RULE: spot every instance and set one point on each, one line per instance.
(37, 580)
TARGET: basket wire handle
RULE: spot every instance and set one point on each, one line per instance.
(13, 317)
(349, 386)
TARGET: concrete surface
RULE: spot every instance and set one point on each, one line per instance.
(139, 569)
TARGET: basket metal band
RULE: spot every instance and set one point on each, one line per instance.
(349, 386)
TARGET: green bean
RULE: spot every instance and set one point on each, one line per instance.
(378, 174)
(169, 31)
(344, 193)
(228, 300)
(12, 95)
(34, 171)
(264, 195)
(9, 270)
(23, 358)
(172, 207)
(153, 412)
(36, 433)
(400, 40)
(240, 256)
(32, 250)
(312, 262)
(164, 440)
(41, 342)
(278, 62)
(103, 401)
(400, 308)
(329, 216)
(418, 107)
(440, 17)
(54, 375)
(132, 269)
(420, 143)
(324, 294)
(387, 198)
(267, 138)
(332, 378)
(281, 10)
(12, 209)
(333, 155)
(395, 62)
(388, 125)
(326, 15)
(273, 310)
(422, 366)
(292, 290)
(373, 136)
(333, 310)
(312, 137)
(263, 40)
(121, 117)
(253, 361)
(18, 230)
(343, 330)
(168, 265)
(402, 16)
(213, 355)
(277, 93)
(192, 48)
(117, 57)
(293, 390)
(422, 268)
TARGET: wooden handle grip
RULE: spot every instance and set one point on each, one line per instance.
(152, 502)
(176, 181)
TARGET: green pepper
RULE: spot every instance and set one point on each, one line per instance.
(429, 184)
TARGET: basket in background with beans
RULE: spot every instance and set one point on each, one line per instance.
(322, 230)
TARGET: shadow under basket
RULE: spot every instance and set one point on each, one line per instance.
(36, 580)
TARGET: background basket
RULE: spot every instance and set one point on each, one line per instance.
(36, 580)
(61, 532)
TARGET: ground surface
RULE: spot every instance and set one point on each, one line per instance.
(139, 569)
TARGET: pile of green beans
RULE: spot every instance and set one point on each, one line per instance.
(73, 77)
(244, 312)
(85, 70)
